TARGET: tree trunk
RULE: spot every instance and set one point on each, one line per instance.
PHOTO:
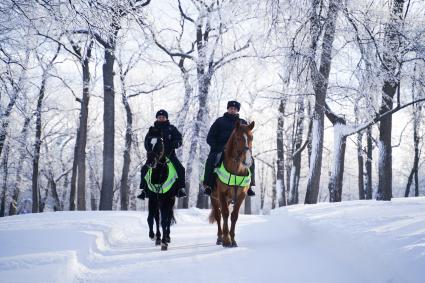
(262, 188)
(310, 133)
(274, 191)
(280, 174)
(5, 120)
(37, 146)
(94, 187)
(200, 127)
(107, 192)
(53, 189)
(417, 115)
(82, 141)
(182, 115)
(73, 190)
(416, 161)
(337, 173)
(184, 202)
(5, 176)
(320, 80)
(409, 183)
(390, 67)
(369, 163)
(128, 140)
(296, 158)
(360, 163)
(13, 208)
(248, 206)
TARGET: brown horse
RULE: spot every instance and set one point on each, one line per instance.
(237, 160)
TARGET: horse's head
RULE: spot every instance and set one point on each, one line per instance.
(240, 143)
(156, 148)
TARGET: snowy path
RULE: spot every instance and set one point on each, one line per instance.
(347, 242)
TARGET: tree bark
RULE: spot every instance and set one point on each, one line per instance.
(73, 190)
(360, 164)
(337, 173)
(296, 158)
(390, 67)
(320, 80)
(5, 176)
(37, 146)
(125, 189)
(107, 192)
(280, 174)
(369, 163)
(82, 141)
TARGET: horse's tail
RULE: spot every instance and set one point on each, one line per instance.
(214, 214)
(172, 218)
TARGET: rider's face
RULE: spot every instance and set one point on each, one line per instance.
(161, 118)
(232, 110)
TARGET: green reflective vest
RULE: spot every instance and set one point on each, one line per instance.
(166, 186)
(232, 180)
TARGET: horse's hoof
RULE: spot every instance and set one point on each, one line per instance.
(151, 235)
(168, 239)
(157, 242)
(164, 247)
(234, 244)
(227, 245)
(219, 242)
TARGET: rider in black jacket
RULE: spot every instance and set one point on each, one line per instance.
(218, 135)
(172, 140)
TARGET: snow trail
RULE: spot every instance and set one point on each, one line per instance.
(359, 241)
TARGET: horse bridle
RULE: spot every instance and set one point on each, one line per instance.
(245, 149)
(157, 156)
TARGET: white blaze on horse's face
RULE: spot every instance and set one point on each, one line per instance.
(248, 155)
(153, 142)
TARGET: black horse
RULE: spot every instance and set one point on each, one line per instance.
(161, 200)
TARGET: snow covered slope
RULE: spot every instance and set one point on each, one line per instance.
(358, 241)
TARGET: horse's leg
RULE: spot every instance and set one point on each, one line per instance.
(158, 231)
(163, 207)
(151, 215)
(216, 215)
(235, 214)
(153, 208)
(224, 205)
(171, 218)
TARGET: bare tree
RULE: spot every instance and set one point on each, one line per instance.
(320, 77)
(37, 145)
(391, 68)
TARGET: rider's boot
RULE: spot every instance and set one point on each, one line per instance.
(207, 190)
(250, 191)
(181, 193)
(142, 195)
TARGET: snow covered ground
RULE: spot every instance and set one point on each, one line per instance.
(358, 241)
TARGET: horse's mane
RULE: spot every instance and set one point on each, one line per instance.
(228, 148)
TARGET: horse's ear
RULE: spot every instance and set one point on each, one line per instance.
(251, 126)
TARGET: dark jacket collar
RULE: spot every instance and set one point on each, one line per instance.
(231, 116)
(161, 125)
